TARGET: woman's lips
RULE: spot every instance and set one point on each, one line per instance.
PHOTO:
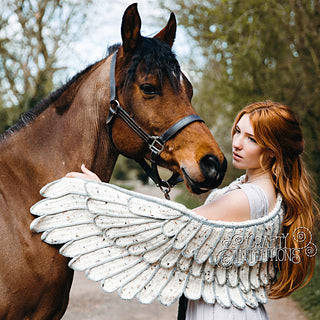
(236, 156)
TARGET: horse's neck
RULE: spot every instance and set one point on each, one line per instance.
(52, 144)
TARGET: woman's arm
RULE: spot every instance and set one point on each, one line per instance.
(232, 206)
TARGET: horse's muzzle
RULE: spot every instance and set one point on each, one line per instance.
(212, 171)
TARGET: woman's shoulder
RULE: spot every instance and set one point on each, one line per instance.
(265, 190)
(217, 193)
(232, 206)
(244, 199)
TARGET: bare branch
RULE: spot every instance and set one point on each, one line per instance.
(32, 31)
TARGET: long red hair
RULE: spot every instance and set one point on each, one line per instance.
(277, 130)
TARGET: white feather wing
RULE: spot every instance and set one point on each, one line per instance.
(149, 248)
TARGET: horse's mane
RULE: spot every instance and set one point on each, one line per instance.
(156, 55)
(35, 111)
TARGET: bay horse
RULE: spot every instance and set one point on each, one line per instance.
(69, 128)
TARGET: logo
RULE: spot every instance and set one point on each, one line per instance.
(252, 248)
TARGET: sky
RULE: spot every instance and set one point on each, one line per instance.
(103, 29)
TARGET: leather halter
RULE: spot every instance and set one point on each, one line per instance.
(156, 143)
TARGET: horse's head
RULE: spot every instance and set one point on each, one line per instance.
(156, 94)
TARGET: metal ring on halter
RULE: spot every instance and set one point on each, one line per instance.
(156, 143)
(112, 112)
(156, 146)
(165, 189)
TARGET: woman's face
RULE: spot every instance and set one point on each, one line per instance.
(246, 151)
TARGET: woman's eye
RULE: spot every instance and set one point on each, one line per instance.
(252, 139)
(148, 89)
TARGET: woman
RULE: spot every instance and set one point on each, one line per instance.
(267, 143)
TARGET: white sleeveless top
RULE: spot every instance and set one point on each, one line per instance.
(198, 309)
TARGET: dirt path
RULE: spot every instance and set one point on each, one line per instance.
(89, 302)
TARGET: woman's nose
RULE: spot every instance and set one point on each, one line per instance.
(236, 142)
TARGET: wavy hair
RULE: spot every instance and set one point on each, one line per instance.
(277, 131)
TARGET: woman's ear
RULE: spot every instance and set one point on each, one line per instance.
(267, 159)
(269, 153)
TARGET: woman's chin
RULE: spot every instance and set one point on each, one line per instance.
(236, 164)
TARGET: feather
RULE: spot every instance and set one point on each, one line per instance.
(57, 205)
(208, 272)
(65, 234)
(100, 257)
(197, 241)
(244, 279)
(208, 292)
(59, 188)
(151, 249)
(65, 218)
(232, 276)
(184, 235)
(174, 288)
(157, 253)
(154, 287)
(141, 278)
(250, 299)
(236, 297)
(119, 278)
(81, 246)
(193, 289)
(222, 295)
(209, 245)
(221, 275)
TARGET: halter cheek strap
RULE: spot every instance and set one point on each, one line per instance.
(155, 143)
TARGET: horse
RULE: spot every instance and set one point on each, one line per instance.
(69, 128)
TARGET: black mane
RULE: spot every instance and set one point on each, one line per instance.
(35, 111)
(154, 53)
(157, 57)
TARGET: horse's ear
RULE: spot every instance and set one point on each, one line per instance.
(130, 28)
(168, 33)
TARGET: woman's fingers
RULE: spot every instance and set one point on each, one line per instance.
(86, 174)
(75, 175)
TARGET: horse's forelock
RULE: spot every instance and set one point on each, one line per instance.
(158, 58)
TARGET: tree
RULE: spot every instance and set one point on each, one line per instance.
(256, 50)
(32, 32)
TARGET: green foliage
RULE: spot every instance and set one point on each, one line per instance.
(252, 51)
(309, 296)
(256, 50)
(3, 119)
(128, 169)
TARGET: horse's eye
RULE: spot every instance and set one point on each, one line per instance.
(148, 89)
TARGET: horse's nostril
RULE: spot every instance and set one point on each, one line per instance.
(210, 166)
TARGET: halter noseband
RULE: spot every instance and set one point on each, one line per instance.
(156, 143)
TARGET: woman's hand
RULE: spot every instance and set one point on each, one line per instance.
(86, 174)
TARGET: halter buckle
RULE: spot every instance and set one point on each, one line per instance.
(156, 145)
(113, 104)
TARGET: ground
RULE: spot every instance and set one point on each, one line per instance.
(89, 302)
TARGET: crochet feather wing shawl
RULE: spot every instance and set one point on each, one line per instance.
(149, 248)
